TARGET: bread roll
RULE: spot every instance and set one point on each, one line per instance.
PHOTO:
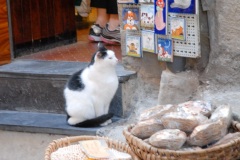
(168, 139)
(201, 119)
(179, 120)
(223, 113)
(208, 133)
(157, 112)
(196, 107)
(144, 129)
(227, 138)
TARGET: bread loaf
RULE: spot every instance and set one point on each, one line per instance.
(144, 129)
(208, 133)
(223, 113)
(227, 138)
(168, 139)
(201, 119)
(196, 107)
(179, 120)
(157, 112)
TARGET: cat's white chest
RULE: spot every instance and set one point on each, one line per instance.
(101, 84)
(107, 84)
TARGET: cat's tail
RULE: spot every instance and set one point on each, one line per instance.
(95, 122)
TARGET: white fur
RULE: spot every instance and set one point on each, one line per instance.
(101, 83)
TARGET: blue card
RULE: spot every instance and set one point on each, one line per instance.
(182, 6)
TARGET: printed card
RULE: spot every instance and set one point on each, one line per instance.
(160, 17)
(146, 1)
(127, 1)
(130, 17)
(147, 16)
(182, 6)
(148, 41)
(164, 49)
(178, 28)
(133, 45)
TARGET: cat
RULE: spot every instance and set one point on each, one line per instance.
(89, 92)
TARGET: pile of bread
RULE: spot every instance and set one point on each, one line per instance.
(188, 126)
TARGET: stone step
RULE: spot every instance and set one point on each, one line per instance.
(35, 122)
(37, 86)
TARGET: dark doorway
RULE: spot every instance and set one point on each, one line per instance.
(41, 24)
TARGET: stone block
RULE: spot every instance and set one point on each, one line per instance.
(177, 88)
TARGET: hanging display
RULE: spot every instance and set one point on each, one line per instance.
(148, 41)
(178, 28)
(160, 17)
(164, 49)
(127, 1)
(182, 6)
(133, 45)
(167, 28)
(146, 1)
(147, 16)
(130, 17)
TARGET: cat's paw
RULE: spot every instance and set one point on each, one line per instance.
(106, 123)
(109, 121)
(103, 124)
(73, 121)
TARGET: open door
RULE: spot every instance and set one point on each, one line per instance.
(5, 54)
(41, 24)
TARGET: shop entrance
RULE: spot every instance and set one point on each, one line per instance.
(41, 24)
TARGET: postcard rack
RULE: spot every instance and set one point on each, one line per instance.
(191, 46)
(177, 27)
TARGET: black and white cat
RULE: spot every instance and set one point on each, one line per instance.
(89, 92)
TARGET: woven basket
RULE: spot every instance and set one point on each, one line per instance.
(228, 151)
(63, 142)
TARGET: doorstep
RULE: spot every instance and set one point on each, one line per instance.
(35, 122)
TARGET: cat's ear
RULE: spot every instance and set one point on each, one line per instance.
(99, 54)
(101, 46)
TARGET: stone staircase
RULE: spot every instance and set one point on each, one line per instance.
(31, 97)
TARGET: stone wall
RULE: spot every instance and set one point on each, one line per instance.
(224, 60)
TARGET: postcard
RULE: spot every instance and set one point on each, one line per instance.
(165, 49)
(130, 18)
(148, 41)
(126, 1)
(133, 45)
(146, 1)
(160, 18)
(182, 6)
(178, 28)
(147, 16)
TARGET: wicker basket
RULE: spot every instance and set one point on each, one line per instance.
(228, 151)
(63, 142)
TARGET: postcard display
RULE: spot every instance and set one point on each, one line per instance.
(166, 28)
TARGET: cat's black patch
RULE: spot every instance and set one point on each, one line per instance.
(101, 53)
(75, 81)
(95, 122)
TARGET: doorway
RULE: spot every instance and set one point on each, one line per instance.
(71, 41)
